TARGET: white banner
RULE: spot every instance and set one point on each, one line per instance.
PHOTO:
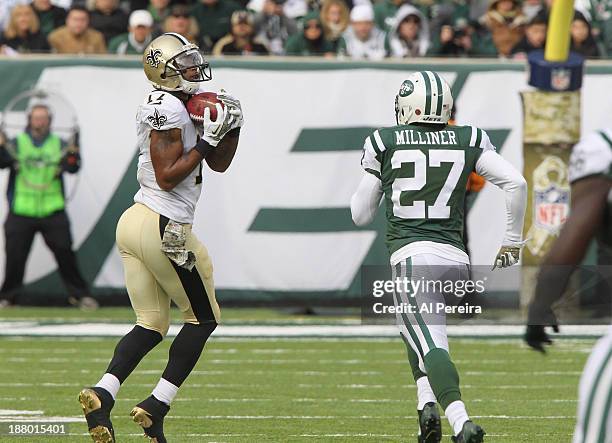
(266, 173)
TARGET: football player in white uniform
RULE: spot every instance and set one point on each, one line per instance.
(424, 209)
(162, 258)
(590, 218)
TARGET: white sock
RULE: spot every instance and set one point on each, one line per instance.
(424, 393)
(110, 383)
(457, 415)
(165, 391)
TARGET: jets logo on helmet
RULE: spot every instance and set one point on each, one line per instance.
(406, 89)
(423, 97)
(172, 63)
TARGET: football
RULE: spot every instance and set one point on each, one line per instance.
(196, 105)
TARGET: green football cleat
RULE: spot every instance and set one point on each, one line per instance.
(97, 404)
(149, 414)
(430, 427)
(471, 433)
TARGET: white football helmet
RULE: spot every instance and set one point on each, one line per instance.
(423, 97)
(172, 63)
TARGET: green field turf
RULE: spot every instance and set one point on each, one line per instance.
(301, 390)
(230, 316)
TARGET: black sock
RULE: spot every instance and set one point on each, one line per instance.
(131, 349)
(186, 350)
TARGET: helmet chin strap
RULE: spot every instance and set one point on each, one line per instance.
(190, 87)
(398, 117)
(396, 111)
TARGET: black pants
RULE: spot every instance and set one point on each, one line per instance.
(19, 234)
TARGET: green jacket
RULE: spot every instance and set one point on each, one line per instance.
(298, 44)
(382, 11)
(126, 44)
(214, 21)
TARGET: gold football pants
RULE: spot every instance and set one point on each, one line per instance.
(153, 280)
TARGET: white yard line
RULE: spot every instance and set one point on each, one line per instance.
(356, 417)
(17, 415)
(8, 328)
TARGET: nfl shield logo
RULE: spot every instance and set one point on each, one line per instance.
(551, 207)
(560, 79)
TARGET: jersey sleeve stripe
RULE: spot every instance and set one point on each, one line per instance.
(439, 93)
(427, 92)
(369, 160)
(372, 152)
(370, 144)
(606, 138)
(379, 142)
(373, 172)
(473, 137)
(478, 137)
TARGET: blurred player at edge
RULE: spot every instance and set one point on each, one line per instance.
(421, 168)
(162, 258)
(590, 175)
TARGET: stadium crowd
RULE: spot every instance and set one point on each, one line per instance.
(351, 29)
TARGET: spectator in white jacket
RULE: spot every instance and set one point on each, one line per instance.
(363, 40)
(409, 35)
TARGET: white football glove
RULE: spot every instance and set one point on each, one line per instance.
(214, 130)
(232, 104)
(508, 255)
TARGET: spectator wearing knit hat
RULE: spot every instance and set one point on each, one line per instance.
(139, 36)
(240, 40)
(363, 40)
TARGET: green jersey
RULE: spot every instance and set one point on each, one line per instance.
(424, 171)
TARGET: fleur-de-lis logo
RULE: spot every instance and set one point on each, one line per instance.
(157, 120)
(153, 57)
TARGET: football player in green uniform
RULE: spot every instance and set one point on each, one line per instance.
(420, 168)
(590, 175)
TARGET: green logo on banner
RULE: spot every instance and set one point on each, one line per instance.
(406, 89)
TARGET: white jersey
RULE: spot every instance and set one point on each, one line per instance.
(162, 111)
(592, 156)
